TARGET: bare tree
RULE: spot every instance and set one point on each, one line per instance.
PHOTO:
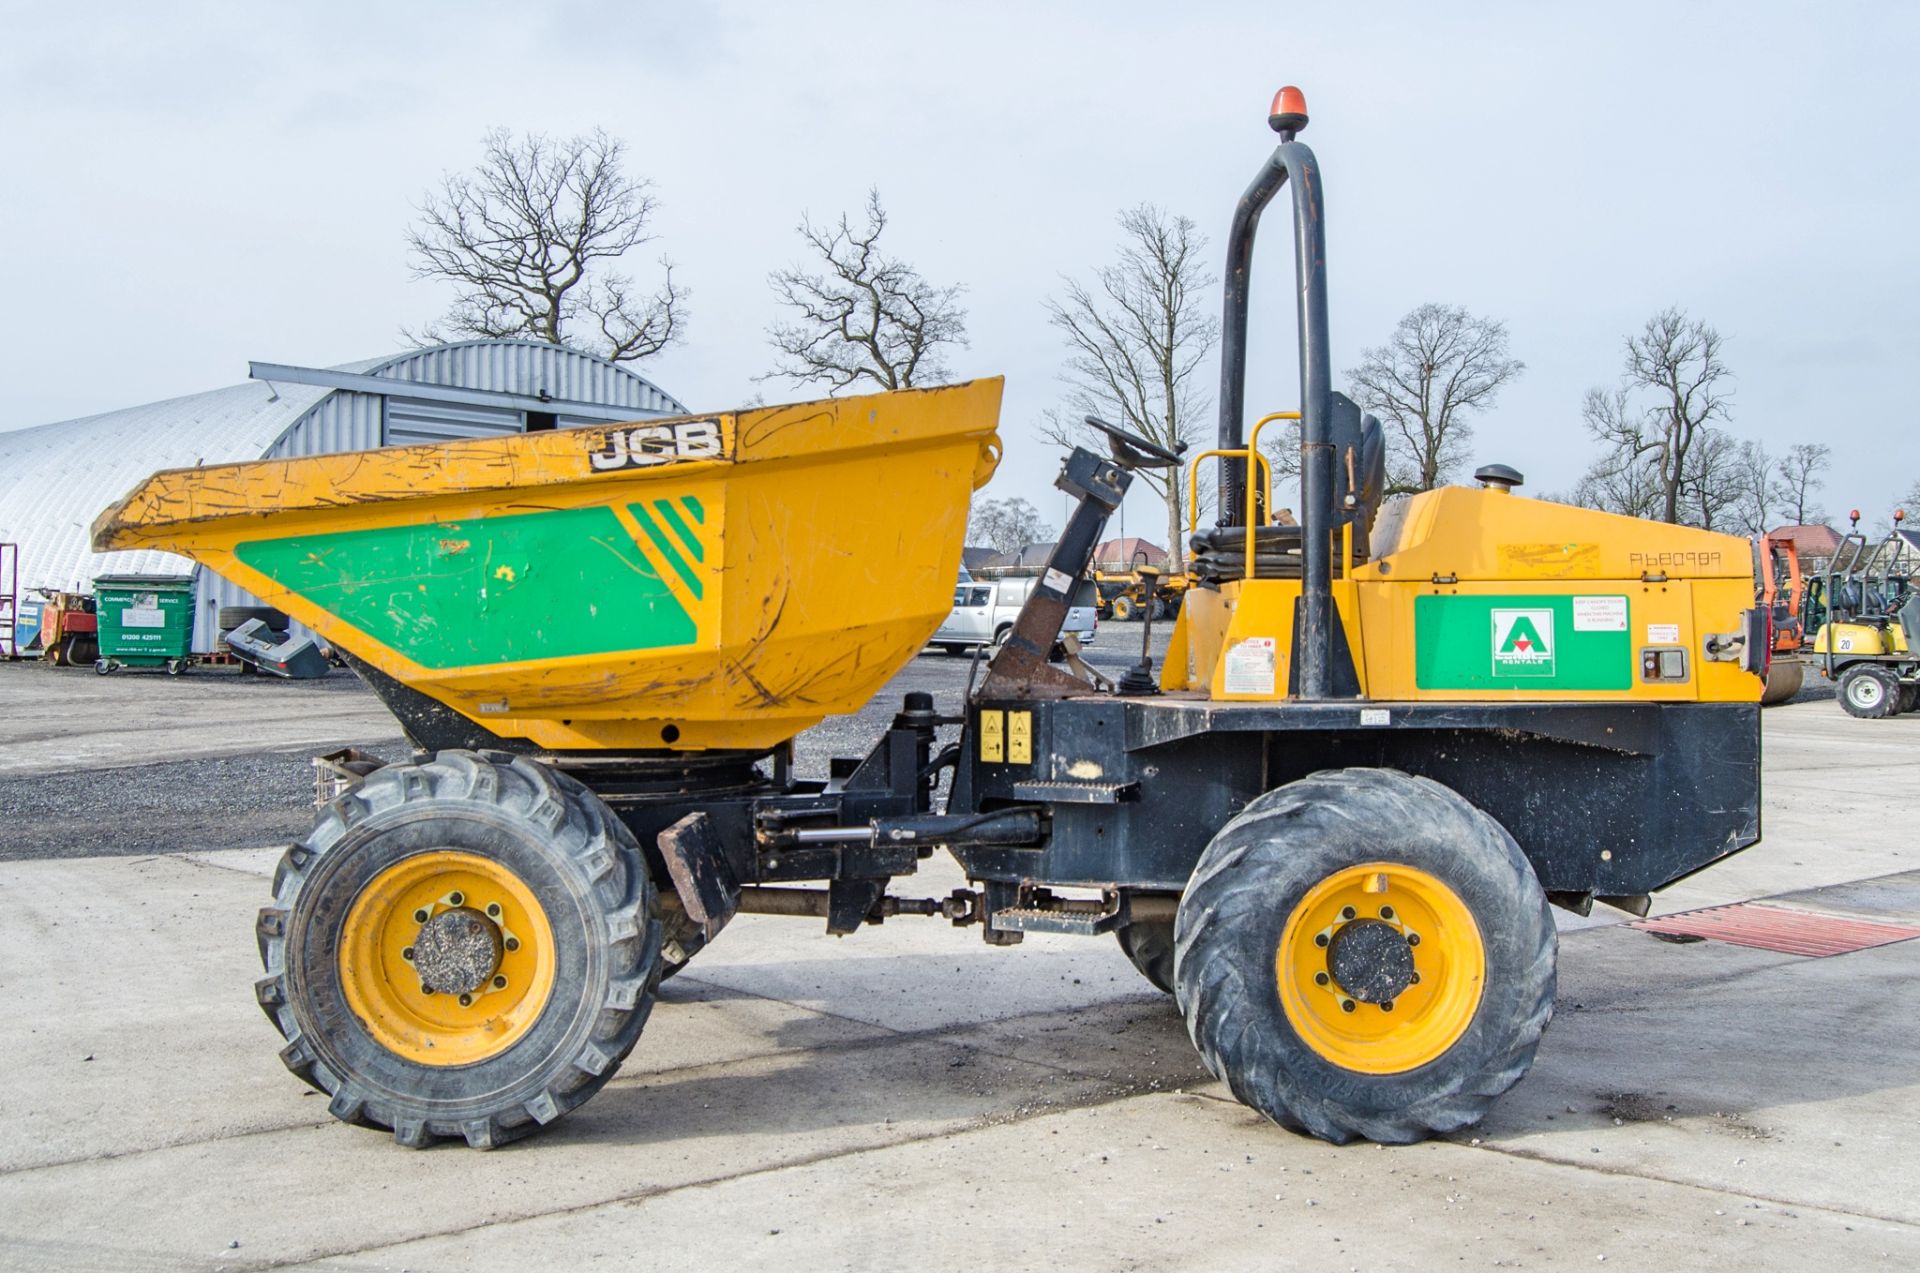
(1756, 492)
(1671, 391)
(1799, 473)
(867, 316)
(1712, 485)
(1620, 480)
(1440, 366)
(1008, 524)
(1135, 335)
(528, 239)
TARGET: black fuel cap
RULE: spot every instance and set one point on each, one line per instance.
(1498, 475)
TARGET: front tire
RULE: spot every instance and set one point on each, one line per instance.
(466, 947)
(1363, 954)
(1869, 691)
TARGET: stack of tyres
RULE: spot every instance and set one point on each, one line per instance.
(144, 622)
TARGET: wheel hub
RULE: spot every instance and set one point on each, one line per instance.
(1371, 961)
(1380, 967)
(446, 957)
(456, 952)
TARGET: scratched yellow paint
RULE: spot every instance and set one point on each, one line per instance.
(842, 527)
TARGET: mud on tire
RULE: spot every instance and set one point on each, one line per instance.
(1259, 870)
(584, 870)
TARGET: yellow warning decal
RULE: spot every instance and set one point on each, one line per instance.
(1549, 561)
(993, 742)
(1020, 738)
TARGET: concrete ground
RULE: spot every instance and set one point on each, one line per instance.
(911, 1097)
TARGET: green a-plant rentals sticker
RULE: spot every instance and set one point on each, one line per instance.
(1522, 643)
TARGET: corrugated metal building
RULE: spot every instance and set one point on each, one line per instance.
(56, 478)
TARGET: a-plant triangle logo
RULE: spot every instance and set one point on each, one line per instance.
(1523, 642)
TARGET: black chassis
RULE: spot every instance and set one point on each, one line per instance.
(1607, 800)
(1122, 795)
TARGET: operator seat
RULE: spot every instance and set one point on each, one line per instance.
(1359, 449)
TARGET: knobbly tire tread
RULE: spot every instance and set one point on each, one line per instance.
(1235, 908)
(1150, 949)
(1890, 697)
(562, 827)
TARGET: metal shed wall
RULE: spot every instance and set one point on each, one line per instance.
(56, 478)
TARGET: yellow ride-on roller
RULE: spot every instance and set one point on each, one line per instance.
(1384, 741)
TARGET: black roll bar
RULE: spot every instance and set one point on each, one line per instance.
(1291, 162)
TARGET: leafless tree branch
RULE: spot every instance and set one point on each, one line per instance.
(1136, 336)
(1440, 366)
(865, 317)
(520, 236)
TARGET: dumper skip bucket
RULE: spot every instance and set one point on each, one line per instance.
(704, 582)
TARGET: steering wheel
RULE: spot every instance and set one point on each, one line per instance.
(1131, 451)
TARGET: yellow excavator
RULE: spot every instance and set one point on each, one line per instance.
(1383, 742)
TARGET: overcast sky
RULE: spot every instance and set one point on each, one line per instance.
(189, 186)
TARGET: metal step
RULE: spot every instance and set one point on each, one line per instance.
(1047, 919)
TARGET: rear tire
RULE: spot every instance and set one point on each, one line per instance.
(1457, 943)
(1869, 691)
(1150, 948)
(575, 940)
(1124, 609)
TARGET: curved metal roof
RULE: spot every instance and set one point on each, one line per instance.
(55, 478)
(525, 367)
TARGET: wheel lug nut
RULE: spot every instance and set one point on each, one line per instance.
(456, 899)
(1348, 913)
(425, 989)
(1413, 939)
(1346, 1005)
(513, 943)
(1386, 1005)
(1321, 979)
(1320, 939)
(1386, 912)
(420, 917)
(1413, 979)
(406, 953)
(466, 1001)
(493, 910)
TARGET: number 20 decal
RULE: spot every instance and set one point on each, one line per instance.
(658, 444)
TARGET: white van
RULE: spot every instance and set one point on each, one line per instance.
(984, 611)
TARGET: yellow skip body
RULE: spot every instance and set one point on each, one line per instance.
(720, 581)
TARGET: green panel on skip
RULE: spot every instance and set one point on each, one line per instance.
(1530, 642)
(486, 590)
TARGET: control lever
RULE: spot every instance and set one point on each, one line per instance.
(1139, 679)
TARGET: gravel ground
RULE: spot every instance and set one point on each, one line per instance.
(266, 797)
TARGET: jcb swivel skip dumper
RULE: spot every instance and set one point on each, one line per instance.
(1383, 740)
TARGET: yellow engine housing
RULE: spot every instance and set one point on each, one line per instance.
(1479, 594)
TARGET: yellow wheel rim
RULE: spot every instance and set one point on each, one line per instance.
(1411, 949)
(496, 997)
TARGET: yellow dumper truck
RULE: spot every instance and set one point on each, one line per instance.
(1383, 741)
